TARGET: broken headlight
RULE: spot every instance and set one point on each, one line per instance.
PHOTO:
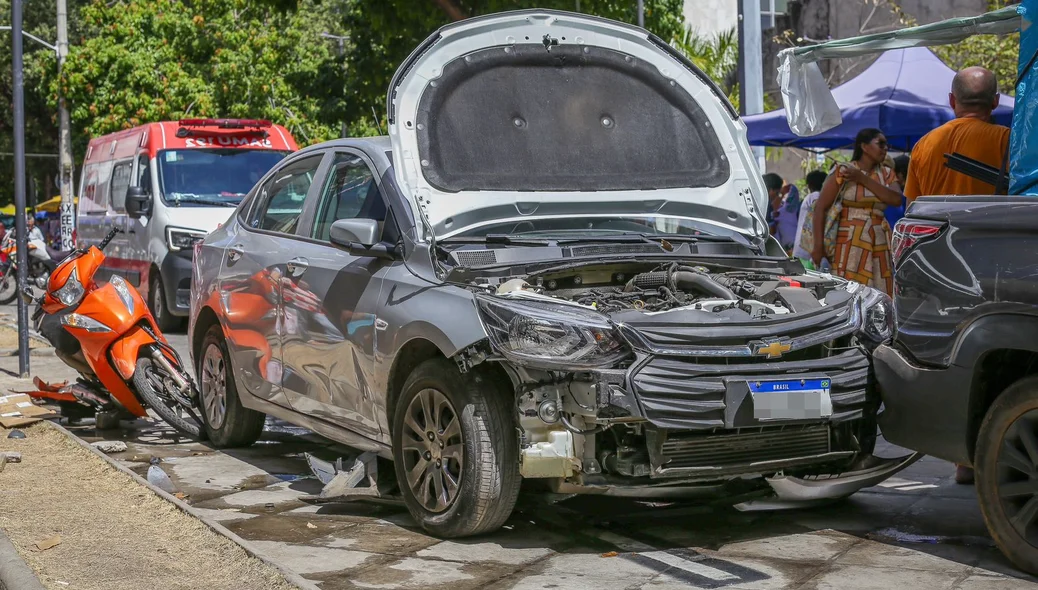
(550, 335)
(878, 316)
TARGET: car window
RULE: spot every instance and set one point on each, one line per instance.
(281, 198)
(350, 193)
(143, 173)
(120, 182)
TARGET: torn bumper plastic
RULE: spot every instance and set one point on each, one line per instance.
(873, 471)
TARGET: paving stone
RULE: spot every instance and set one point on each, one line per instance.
(877, 578)
(274, 494)
(482, 552)
(224, 515)
(427, 574)
(817, 546)
(982, 582)
(304, 559)
(215, 472)
(579, 571)
(880, 555)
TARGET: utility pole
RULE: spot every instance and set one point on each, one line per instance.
(65, 165)
(641, 13)
(22, 256)
(751, 69)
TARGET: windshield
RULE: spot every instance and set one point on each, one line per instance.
(208, 177)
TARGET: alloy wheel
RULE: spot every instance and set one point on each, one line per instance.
(433, 452)
(214, 386)
(1017, 475)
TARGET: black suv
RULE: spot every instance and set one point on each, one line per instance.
(959, 381)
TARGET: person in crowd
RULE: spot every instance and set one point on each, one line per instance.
(900, 166)
(865, 188)
(815, 179)
(783, 209)
(974, 95)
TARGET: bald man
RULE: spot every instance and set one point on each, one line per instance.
(973, 96)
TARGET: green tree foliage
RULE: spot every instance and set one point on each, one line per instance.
(717, 56)
(142, 61)
(998, 53)
(384, 33)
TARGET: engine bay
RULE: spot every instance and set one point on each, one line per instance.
(741, 295)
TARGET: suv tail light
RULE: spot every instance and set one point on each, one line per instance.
(909, 232)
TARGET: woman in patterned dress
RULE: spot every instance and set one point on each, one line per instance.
(866, 187)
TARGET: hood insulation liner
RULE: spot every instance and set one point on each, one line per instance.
(575, 118)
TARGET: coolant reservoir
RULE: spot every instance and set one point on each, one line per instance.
(553, 458)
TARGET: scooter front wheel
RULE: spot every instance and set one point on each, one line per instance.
(8, 286)
(152, 382)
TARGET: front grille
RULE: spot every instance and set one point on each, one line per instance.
(685, 393)
(734, 449)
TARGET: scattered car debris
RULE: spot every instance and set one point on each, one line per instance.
(109, 446)
(48, 543)
(17, 409)
(610, 554)
(180, 495)
(311, 525)
(359, 481)
(16, 434)
(158, 478)
(12, 457)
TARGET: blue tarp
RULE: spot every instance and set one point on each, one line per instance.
(904, 93)
(1023, 141)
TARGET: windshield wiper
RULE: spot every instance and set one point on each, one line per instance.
(497, 239)
(181, 198)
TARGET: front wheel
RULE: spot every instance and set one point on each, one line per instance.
(153, 386)
(455, 450)
(1006, 464)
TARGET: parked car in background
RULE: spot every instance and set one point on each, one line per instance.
(557, 267)
(166, 185)
(960, 378)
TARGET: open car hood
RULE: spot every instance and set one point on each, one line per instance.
(539, 114)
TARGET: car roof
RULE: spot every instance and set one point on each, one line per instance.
(378, 148)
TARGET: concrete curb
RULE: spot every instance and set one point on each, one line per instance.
(292, 577)
(15, 574)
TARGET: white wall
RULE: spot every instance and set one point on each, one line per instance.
(711, 16)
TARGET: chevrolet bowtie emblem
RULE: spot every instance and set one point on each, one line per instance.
(773, 349)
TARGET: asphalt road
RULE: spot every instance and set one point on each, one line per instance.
(918, 529)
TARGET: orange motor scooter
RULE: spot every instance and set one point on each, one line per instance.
(125, 362)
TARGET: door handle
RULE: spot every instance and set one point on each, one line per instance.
(235, 252)
(297, 266)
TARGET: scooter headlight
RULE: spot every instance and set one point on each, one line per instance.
(123, 290)
(75, 320)
(72, 291)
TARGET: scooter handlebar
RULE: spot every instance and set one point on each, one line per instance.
(108, 238)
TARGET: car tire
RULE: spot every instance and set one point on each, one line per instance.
(226, 420)
(476, 451)
(1006, 470)
(164, 318)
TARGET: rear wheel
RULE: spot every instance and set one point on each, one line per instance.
(154, 386)
(1006, 468)
(455, 450)
(227, 421)
(8, 286)
(157, 303)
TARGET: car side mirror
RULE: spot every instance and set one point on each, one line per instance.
(138, 202)
(360, 237)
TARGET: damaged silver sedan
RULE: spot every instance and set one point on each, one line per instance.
(557, 267)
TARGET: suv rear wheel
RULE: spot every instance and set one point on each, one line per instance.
(227, 421)
(1006, 464)
(455, 451)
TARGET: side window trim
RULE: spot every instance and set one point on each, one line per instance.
(252, 200)
(258, 202)
(376, 178)
(116, 165)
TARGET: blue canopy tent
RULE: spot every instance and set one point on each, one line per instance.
(904, 93)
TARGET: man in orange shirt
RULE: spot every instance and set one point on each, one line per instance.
(971, 133)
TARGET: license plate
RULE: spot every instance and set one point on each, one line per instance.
(793, 399)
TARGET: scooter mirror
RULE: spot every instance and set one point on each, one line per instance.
(27, 296)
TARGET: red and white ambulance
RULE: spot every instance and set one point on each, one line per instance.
(167, 185)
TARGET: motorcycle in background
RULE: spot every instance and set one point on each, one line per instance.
(38, 275)
(108, 335)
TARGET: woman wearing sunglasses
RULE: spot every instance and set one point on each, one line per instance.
(849, 214)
